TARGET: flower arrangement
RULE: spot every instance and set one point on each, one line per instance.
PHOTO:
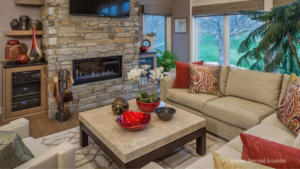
(139, 75)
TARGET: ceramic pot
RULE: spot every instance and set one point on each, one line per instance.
(12, 50)
(36, 24)
(23, 58)
(15, 25)
(34, 52)
(144, 49)
(148, 107)
(24, 19)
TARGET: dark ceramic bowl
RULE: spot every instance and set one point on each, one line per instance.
(133, 121)
(165, 113)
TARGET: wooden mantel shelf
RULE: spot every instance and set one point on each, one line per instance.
(23, 33)
(30, 2)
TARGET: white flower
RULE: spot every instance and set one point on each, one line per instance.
(161, 69)
(134, 74)
(145, 67)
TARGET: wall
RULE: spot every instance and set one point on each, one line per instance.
(70, 37)
(9, 11)
(156, 2)
(181, 42)
(211, 2)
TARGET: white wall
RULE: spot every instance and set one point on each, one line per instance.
(211, 2)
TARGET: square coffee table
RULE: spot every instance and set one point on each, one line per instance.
(135, 149)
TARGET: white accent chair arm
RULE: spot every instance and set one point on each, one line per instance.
(166, 83)
(59, 157)
(20, 126)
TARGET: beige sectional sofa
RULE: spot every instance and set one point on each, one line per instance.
(249, 105)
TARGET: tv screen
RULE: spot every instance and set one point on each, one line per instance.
(107, 8)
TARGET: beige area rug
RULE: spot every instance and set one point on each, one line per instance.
(93, 157)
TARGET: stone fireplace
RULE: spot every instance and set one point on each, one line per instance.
(70, 40)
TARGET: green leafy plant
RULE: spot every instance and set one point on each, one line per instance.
(278, 38)
(146, 83)
(166, 60)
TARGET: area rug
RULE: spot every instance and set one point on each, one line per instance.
(92, 157)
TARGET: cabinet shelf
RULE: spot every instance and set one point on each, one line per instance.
(23, 33)
(30, 2)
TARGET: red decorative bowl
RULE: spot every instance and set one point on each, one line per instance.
(133, 121)
(148, 107)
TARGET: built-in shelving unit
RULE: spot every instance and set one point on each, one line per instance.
(30, 2)
(23, 33)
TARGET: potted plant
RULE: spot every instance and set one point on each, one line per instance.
(166, 60)
(148, 99)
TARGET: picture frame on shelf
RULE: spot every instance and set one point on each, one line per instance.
(181, 25)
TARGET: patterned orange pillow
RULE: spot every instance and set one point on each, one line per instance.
(289, 110)
(205, 79)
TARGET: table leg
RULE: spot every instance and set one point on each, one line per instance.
(84, 138)
(201, 145)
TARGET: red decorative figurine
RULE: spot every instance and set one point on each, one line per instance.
(23, 58)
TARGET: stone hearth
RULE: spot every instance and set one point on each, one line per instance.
(68, 37)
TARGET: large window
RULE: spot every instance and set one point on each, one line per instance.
(156, 24)
(212, 37)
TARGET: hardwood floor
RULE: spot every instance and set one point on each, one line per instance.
(44, 126)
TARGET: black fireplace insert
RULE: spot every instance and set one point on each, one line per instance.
(97, 69)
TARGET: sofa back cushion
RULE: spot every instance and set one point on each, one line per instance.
(284, 83)
(223, 78)
(253, 85)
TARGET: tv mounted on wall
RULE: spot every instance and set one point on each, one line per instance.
(105, 8)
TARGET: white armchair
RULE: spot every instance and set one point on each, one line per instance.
(61, 157)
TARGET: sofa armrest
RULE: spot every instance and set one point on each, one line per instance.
(166, 83)
(20, 126)
(60, 157)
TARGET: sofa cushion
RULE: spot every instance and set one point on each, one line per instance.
(205, 79)
(253, 85)
(223, 78)
(238, 112)
(285, 80)
(265, 131)
(273, 120)
(208, 162)
(34, 146)
(193, 101)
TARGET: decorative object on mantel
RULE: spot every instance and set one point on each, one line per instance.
(146, 101)
(12, 50)
(165, 113)
(181, 25)
(36, 24)
(120, 106)
(34, 52)
(24, 19)
(15, 24)
(133, 121)
(23, 58)
(150, 39)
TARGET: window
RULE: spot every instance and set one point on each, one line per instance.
(211, 38)
(156, 24)
(210, 33)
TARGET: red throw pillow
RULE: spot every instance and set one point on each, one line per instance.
(183, 74)
(269, 153)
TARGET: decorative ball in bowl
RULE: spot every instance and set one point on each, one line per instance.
(165, 113)
(133, 121)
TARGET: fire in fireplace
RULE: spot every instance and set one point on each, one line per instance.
(97, 69)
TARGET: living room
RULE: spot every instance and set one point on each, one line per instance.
(149, 84)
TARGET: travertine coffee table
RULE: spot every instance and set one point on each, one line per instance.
(129, 149)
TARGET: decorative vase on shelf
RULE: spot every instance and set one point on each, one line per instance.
(34, 52)
(12, 50)
(15, 24)
(24, 19)
(35, 23)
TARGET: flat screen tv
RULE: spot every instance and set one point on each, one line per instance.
(105, 8)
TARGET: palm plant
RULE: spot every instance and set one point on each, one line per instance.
(279, 40)
(166, 60)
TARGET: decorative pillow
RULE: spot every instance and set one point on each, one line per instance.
(205, 79)
(269, 153)
(229, 163)
(13, 151)
(183, 74)
(289, 110)
(292, 78)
